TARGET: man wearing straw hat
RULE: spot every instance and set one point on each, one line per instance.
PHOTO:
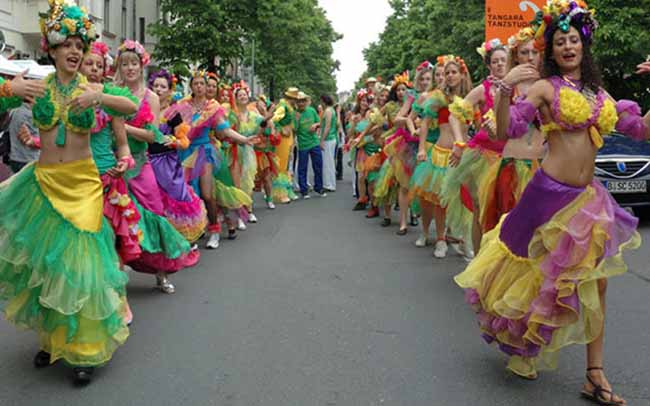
(307, 124)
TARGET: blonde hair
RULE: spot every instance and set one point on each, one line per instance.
(465, 81)
(126, 57)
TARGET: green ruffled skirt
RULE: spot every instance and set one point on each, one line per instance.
(60, 281)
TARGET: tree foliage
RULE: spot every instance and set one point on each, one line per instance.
(423, 29)
(293, 39)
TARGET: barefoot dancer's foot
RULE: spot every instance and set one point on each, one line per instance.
(598, 390)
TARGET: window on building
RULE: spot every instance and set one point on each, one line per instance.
(107, 15)
(142, 28)
(124, 20)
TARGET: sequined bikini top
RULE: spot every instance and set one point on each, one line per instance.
(573, 110)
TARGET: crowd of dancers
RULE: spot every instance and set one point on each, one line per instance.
(505, 171)
(130, 176)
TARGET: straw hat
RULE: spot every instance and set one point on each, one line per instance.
(292, 93)
(302, 96)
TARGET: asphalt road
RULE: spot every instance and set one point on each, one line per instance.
(316, 305)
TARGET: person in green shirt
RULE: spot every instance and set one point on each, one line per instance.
(309, 146)
(328, 133)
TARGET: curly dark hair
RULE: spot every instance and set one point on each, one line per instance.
(591, 77)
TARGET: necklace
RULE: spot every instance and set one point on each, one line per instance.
(197, 108)
(62, 93)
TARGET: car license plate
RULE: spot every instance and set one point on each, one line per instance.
(627, 186)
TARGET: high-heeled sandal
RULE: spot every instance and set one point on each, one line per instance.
(598, 394)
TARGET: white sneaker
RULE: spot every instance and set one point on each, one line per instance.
(240, 225)
(213, 241)
(294, 197)
(422, 241)
(252, 218)
(270, 205)
(306, 197)
(441, 249)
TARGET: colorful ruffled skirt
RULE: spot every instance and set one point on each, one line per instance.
(494, 183)
(426, 182)
(534, 283)
(123, 216)
(196, 158)
(386, 186)
(59, 272)
(163, 248)
(242, 158)
(402, 150)
(267, 161)
(228, 196)
(182, 207)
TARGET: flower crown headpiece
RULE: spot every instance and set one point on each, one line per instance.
(560, 14)
(171, 79)
(63, 20)
(403, 79)
(200, 74)
(101, 49)
(524, 35)
(443, 60)
(136, 47)
(362, 93)
(489, 46)
(241, 85)
(212, 75)
(426, 65)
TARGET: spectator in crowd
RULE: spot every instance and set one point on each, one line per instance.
(24, 139)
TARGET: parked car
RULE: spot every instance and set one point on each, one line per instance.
(623, 165)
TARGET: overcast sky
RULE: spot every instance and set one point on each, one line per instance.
(360, 22)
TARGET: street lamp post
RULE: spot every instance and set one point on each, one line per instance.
(253, 69)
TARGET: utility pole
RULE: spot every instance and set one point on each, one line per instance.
(253, 69)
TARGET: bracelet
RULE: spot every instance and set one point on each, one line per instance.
(461, 145)
(5, 89)
(128, 160)
(223, 126)
(505, 89)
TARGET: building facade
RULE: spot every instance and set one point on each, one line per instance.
(116, 21)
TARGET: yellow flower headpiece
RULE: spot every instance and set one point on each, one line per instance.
(65, 19)
(524, 35)
(489, 46)
(443, 60)
(403, 79)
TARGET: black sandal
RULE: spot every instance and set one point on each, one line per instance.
(386, 222)
(232, 234)
(42, 360)
(402, 231)
(599, 394)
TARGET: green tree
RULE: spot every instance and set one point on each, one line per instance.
(423, 29)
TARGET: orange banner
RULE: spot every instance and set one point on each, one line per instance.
(503, 18)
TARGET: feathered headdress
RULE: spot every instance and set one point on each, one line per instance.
(403, 79)
(561, 14)
(443, 60)
(214, 76)
(134, 46)
(488, 46)
(65, 19)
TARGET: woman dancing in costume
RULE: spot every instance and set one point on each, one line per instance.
(268, 167)
(435, 149)
(241, 157)
(404, 147)
(183, 208)
(358, 155)
(396, 149)
(284, 118)
(164, 250)
(202, 161)
(59, 271)
(539, 281)
(113, 162)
